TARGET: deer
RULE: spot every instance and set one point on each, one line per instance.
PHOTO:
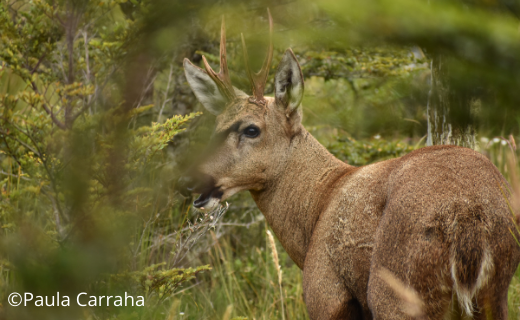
(434, 223)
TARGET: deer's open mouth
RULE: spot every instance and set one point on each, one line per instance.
(210, 194)
(206, 196)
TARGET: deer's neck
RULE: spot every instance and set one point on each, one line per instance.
(293, 202)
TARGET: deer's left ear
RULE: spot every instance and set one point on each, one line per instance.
(288, 83)
(205, 89)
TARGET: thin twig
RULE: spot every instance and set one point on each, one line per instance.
(14, 175)
(166, 93)
(20, 141)
(60, 124)
(38, 63)
(210, 220)
(9, 149)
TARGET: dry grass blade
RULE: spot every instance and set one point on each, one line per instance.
(278, 268)
(412, 304)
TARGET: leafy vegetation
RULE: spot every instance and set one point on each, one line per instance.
(360, 153)
(86, 187)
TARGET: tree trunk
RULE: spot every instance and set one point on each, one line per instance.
(448, 111)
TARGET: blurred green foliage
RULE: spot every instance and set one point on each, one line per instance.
(94, 107)
(85, 185)
(360, 153)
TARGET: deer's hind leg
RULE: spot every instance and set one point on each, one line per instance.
(409, 273)
(325, 293)
(490, 303)
(491, 299)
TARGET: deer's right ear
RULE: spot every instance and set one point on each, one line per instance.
(288, 83)
(205, 89)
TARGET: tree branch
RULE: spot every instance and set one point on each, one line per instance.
(58, 123)
(38, 63)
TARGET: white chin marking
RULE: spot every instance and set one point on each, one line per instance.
(210, 206)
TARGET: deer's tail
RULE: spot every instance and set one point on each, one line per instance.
(471, 262)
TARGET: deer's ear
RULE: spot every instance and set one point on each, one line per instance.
(288, 83)
(205, 88)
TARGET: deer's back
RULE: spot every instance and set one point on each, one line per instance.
(432, 184)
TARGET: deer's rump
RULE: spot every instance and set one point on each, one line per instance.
(446, 228)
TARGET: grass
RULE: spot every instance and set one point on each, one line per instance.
(513, 296)
(244, 282)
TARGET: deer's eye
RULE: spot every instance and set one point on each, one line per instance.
(251, 132)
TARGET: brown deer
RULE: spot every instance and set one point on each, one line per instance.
(434, 224)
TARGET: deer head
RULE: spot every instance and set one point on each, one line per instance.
(252, 135)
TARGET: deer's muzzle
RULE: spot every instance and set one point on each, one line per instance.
(199, 183)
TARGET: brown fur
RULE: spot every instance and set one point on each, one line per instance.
(436, 218)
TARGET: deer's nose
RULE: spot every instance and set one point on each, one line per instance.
(186, 185)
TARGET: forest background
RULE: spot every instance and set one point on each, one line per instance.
(97, 122)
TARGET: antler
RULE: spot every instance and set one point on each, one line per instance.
(222, 78)
(258, 80)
